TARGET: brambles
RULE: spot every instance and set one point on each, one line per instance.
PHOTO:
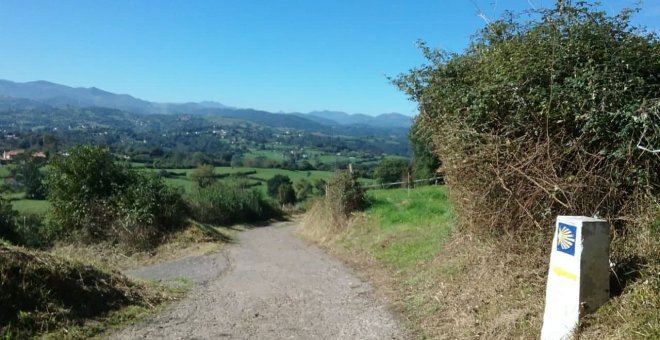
(331, 213)
(345, 194)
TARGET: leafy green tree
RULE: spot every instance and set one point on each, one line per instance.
(203, 175)
(31, 179)
(390, 170)
(7, 220)
(424, 162)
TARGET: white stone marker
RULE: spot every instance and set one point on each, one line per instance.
(578, 279)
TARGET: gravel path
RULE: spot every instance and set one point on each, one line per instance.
(271, 285)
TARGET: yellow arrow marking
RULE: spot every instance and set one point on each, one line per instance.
(564, 273)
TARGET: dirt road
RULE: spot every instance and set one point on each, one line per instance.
(270, 285)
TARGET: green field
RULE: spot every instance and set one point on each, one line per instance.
(416, 224)
(31, 206)
(4, 170)
(269, 154)
(184, 181)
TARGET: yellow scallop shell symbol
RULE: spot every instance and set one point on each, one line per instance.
(565, 238)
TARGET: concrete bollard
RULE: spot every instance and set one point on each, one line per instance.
(578, 279)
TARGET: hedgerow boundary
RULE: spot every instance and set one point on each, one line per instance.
(556, 116)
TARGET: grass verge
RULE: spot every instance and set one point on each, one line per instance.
(447, 283)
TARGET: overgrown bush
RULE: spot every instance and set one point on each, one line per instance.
(330, 214)
(147, 209)
(273, 184)
(544, 118)
(228, 203)
(94, 198)
(345, 195)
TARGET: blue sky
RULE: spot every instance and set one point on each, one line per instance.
(276, 55)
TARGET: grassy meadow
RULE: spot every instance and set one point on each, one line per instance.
(412, 225)
(28, 206)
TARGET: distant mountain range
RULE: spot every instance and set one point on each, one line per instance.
(42, 93)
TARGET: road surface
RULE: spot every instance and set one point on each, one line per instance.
(269, 285)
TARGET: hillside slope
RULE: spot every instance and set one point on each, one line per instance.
(41, 293)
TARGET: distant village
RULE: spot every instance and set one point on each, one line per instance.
(11, 155)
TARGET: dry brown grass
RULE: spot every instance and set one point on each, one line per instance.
(492, 287)
(186, 242)
(320, 224)
(471, 289)
(41, 293)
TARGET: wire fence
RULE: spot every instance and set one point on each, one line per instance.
(407, 184)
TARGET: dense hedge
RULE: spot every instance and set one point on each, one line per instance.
(543, 118)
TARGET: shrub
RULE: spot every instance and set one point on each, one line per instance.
(146, 209)
(95, 198)
(228, 203)
(329, 215)
(81, 188)
(544, 118)
(303, 189)
(345, 195)
(31, 179)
